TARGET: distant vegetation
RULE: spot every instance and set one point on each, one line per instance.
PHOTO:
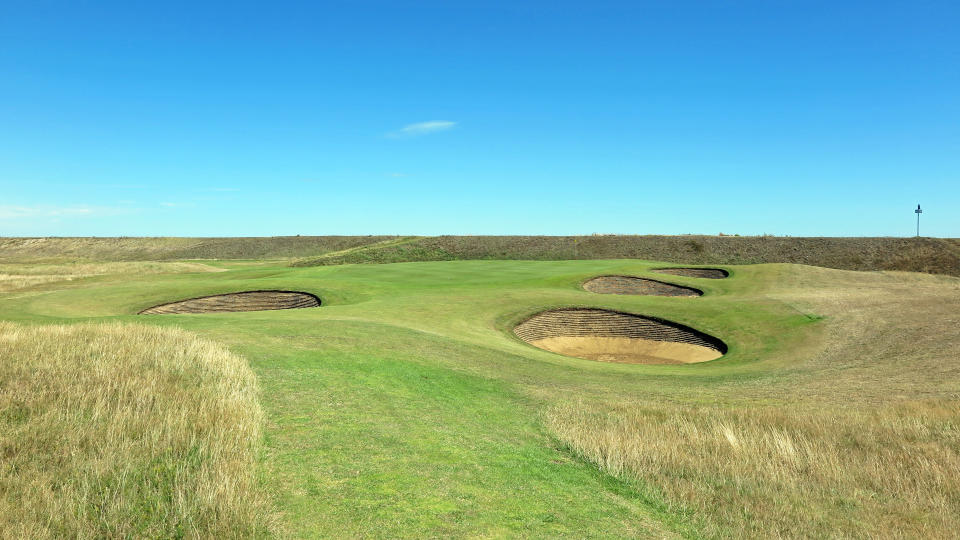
(168, 248)
(121, 431)
(930, 255)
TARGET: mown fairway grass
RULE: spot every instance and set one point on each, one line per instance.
(405, 407)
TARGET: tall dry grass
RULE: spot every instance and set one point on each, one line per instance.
(110, 430)
(15, 282)
(14, 277)
(774, 472)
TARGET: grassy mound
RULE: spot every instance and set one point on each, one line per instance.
(110, 430)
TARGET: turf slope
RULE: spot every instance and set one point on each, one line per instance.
(405, 406)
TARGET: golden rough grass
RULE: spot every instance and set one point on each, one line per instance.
(857, 436)
(22, 276)
(768, 472)
(110, 430)
(15, 282)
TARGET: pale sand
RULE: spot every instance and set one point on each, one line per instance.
(627, 350)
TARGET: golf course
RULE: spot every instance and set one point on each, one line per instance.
(409, 400)
(479, 270)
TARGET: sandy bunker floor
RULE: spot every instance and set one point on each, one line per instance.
(610, 336)
(241, 301)
(636, 285)
(709, 273)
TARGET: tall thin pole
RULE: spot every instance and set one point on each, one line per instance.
(918, 211)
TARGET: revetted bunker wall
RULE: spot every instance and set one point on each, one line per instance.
(587, 322)
(709, 273)
(636, 285)
(240, 301)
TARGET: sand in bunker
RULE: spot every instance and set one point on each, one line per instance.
(612, 336)
(627, 350)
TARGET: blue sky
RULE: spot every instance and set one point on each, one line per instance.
(274, 118)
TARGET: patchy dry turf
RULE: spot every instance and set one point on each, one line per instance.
(407, 406)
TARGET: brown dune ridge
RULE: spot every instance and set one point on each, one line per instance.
(709, 273)
(239, 301)
(931, 255)
(637, 285)
(612, 336)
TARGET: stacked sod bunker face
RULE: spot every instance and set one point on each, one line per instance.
(709, 273)
(240, 301)
(635, 285)
(612, 336)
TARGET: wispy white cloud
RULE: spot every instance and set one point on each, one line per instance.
(423, 128)
(177, 204)
(11, 212)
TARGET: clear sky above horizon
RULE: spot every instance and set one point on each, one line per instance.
(276, 118)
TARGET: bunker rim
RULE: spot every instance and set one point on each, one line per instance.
(613, 336)
(621, 284)
(259, 300)
(694, 272)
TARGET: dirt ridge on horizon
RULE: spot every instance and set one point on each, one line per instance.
(924, 254)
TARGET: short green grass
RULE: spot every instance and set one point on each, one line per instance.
(404, 406)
